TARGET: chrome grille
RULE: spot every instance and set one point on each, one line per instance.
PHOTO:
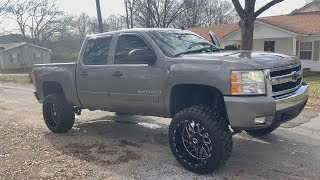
(285, 80)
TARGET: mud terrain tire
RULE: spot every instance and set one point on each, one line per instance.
(207, 133)
(58, 114)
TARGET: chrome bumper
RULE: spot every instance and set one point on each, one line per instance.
(297, 97)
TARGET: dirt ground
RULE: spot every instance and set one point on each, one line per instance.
(105, 146)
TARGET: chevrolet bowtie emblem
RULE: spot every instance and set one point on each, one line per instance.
(295, 76)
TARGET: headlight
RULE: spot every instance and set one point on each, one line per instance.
(247, 83)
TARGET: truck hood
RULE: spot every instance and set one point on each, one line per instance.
(258, 60)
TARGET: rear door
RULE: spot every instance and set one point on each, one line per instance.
(136, 87)
(92, 73)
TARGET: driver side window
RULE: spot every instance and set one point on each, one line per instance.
(125, 44)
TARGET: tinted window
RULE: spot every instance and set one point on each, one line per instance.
(179, 42)
(96, 52)
(127, 43)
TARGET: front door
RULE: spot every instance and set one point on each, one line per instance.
(135, 87)
(269, 46)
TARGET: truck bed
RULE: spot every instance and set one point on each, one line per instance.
(61, 74)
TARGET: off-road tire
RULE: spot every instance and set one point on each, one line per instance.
(265, 131)
(61, 119)
(121, 114)
(219, 134)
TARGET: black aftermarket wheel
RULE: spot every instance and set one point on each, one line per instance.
(200, 140)
(57, 113)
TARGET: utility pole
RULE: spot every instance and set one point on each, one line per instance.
(99, 16)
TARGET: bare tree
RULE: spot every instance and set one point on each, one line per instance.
(158, 13)
(115, 22)
(4, 6)
(130, 6)
(194, 12)
(94, 26)
(206, 13)
(220, 12)
(38, 20)
(4, 9)
(248, 15)
(20, 13)
(82, 24)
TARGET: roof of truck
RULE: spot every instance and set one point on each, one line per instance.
(138, 30)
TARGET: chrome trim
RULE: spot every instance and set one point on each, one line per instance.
(268, 82)
(285, 67)
(299, 96)
(286, 91)
(293, 77)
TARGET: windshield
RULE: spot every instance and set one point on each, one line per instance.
(174, 44)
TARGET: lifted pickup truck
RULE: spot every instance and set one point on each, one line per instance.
(210, 94)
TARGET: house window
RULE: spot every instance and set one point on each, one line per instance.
(269, 46)
(306, 50)
(36, 57)
(13, 58)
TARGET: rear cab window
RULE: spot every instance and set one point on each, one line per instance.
(97, 51)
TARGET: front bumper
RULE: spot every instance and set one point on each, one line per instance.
(242, 111)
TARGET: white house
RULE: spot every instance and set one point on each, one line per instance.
(295, 34)
(22, 55)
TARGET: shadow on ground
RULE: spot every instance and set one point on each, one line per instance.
(138, 142)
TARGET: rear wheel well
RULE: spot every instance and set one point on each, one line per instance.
(52, 88)
(188, 95)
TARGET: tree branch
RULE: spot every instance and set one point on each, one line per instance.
(265, 7)
(238, 8)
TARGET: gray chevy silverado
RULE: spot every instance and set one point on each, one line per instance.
(210, 94)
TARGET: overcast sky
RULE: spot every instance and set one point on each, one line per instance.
(116, 6)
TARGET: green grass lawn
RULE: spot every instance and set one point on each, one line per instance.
(16, 79)
(314, 91)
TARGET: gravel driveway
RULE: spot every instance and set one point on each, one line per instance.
(105, 146)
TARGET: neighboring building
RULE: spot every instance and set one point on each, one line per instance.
(311, 6)
(295, 34)
(22, 55)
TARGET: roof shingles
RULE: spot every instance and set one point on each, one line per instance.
(302, 23)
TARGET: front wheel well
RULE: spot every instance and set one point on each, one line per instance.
(188, 95)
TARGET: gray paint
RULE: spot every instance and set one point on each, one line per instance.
(145, 89)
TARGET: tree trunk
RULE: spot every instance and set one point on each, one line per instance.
(247, 29)
(131, 18)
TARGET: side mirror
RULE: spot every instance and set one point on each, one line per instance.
(231, 47)
(142, 56)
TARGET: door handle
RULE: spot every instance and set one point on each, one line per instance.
(84, 73)
(117, 74)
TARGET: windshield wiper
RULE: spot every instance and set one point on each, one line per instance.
(206, 49)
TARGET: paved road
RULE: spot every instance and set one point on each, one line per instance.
(104, 146)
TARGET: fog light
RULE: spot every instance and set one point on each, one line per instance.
(260, 120)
